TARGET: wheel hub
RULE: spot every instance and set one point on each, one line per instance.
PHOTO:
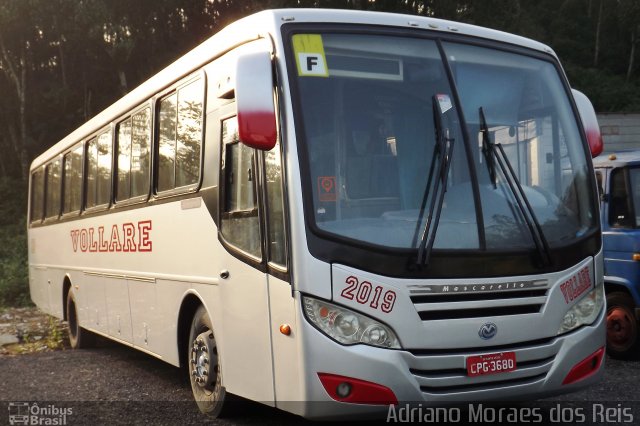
(619, 327)
(204, 360)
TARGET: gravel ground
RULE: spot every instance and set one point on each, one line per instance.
(109, 384)
(114, 384)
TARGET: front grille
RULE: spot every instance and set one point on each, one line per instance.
(481, 386)
(444, 372)
(497, 348)
(462, 371)
(451, 306)
(479, 312)
(466, 297)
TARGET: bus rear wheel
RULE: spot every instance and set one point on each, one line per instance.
(204, 366)
(79, 338)
(622, 326)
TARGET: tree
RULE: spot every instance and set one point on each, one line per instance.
(15, 62)
(629, 17)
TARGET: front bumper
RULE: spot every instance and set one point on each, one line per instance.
(439, 377)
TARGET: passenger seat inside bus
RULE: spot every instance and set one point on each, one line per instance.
(371, 173)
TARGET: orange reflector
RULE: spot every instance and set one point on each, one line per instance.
(635, 256)
(585, 368)
(285, 329)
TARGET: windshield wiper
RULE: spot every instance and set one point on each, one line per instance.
(443, 149)
(494, 151)
(487, 149)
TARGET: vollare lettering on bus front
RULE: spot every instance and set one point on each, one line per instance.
(126, 237)
(576, 285)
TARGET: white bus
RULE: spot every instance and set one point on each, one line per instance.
(334, 211)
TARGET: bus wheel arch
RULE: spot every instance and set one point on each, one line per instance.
(202, 361)
(66, 287)
(79, 338)
(623, 330)
(188, 308)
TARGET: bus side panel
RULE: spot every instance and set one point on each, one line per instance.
(144, 318)
(118, 308)
(39, 270)
(57, 306)
(245, 341)
(286, 359)
(38, 287)
(163, 331)
(90, 294)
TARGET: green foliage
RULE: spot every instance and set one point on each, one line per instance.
(607, 91)
(14, 281)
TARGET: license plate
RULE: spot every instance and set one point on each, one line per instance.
(491, 364)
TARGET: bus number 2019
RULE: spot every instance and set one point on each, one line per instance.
(363, 292)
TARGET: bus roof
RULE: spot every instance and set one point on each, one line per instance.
(258, 26)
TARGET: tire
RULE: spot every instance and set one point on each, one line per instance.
(622, 325)
(205, 373)
(79, 338)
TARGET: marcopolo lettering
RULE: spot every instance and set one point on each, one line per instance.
(416, 289)
(127, 237)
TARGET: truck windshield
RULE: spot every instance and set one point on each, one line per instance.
(365, 111)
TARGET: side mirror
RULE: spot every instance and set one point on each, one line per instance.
(589, 122)
(254, 100)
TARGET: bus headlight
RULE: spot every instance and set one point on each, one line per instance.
(346, 326)
(585, 311)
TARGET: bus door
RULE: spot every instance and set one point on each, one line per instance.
(246, 340)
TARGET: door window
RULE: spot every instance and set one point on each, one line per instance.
(240, 222)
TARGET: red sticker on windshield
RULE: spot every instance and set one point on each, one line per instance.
(327, 188)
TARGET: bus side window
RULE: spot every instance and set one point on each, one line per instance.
(189, 138)
(123, 182)
(275, 207)
(72, 194)
(52, 190)
(180, 137)
(103, 193)
(140, 152)
(37, 195)
(98, 160)
(91, 160)
(132, 144)
(240, 224)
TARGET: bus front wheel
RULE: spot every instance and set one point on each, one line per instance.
(79, 338)
(204, 365)
(622, 326)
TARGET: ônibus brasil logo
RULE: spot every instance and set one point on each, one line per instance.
(31, 413)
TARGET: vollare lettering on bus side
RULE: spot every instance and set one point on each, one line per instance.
(126, 237)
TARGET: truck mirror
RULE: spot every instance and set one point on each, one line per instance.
(254, 100)
(589, 122)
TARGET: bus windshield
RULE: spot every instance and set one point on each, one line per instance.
(374, 113)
